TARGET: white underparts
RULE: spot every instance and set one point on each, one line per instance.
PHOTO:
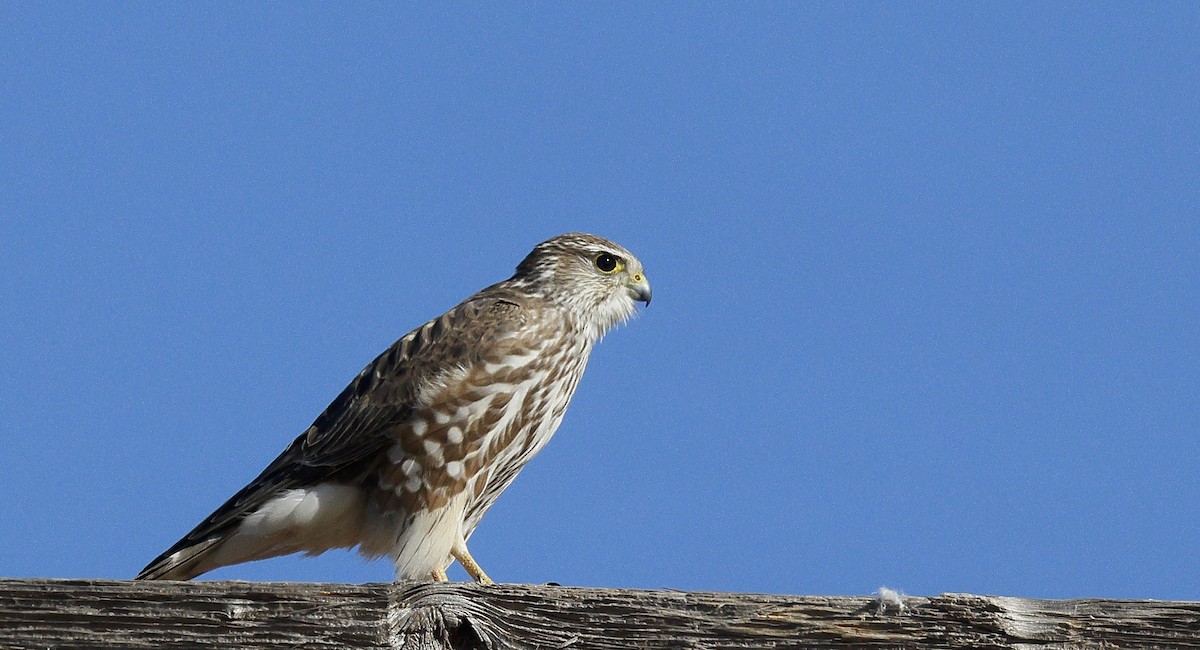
(419, 544)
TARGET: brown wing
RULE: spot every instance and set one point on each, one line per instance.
(345, 439)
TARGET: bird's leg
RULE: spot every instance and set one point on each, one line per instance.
(464, 558)
(439, 575)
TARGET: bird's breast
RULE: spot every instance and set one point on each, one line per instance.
(478, 428)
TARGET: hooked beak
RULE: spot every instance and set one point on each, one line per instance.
(639, 289)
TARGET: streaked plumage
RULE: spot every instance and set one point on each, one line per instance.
(407, 459)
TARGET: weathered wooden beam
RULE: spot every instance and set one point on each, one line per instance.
(97, 614)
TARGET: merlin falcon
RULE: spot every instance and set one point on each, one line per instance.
(408, 458)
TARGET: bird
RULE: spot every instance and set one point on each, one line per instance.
(410, 455)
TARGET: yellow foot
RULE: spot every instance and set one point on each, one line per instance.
(464, 558)
(439, 575)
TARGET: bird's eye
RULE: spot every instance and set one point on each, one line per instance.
(607, 262)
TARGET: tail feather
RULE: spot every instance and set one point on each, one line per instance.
(194, 554)
(265, 522)
(181, 563)
(286, 497)
(197, 552)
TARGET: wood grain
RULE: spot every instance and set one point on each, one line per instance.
(99, 614)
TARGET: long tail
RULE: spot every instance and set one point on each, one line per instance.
(204, 548)
(207, 546)
(267, 518)
(182, 562)
(197, 552)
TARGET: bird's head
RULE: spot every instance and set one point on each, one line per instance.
(598, 281)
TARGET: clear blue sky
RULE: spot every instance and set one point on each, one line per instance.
(927, 278)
